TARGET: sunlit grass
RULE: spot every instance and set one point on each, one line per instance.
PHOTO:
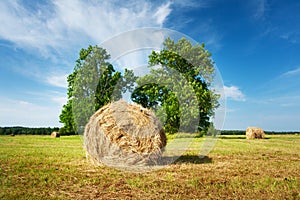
(40, 167)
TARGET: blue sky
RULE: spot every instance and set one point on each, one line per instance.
(254, 43)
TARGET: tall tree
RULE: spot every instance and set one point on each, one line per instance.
(179, 73)
(93, 83)
(94, 78)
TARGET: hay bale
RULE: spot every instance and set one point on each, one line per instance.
(122, 134)
(55, 134)
(254, 132)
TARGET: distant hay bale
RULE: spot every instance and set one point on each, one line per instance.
(254, 132)
(55, 134)
(122, 134)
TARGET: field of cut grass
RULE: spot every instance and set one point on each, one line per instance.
(40, 167)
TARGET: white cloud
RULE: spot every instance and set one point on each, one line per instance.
(60, 100)
(23, 103)
(162, 13)
(62, 24)
(192, 3)
(234, 93)
(58, 80)
(135, 40)
(50, 98)
(291, 72)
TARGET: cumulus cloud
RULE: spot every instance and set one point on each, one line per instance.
(234, 93)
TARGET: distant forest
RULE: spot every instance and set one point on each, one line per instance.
(18, 130)
(241, 132)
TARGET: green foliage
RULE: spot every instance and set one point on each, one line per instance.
(67, 118)
(185, 72)
(105, 88)
(93, 84)
(162, 100)
(93, 75)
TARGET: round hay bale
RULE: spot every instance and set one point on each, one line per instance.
(254, 132)
(55, 134)
(122, 134)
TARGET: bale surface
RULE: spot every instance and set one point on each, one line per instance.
(254, 132)
(123, 134)
(55, 134)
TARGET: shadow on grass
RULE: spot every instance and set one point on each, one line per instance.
(189, 159)
(232, 137)
(193, 159)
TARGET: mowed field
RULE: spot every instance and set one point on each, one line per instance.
(40, 167)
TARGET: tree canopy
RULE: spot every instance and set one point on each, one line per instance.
(179, 78)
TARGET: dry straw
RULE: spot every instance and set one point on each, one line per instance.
(254, 132)
(122, 134)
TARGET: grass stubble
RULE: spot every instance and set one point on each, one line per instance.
(40, 167)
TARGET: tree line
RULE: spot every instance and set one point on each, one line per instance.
(243, 132)
(19, 130)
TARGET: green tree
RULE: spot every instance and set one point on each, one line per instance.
(93, 83)
(66, 117)
(106, 86)
(179, 73)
